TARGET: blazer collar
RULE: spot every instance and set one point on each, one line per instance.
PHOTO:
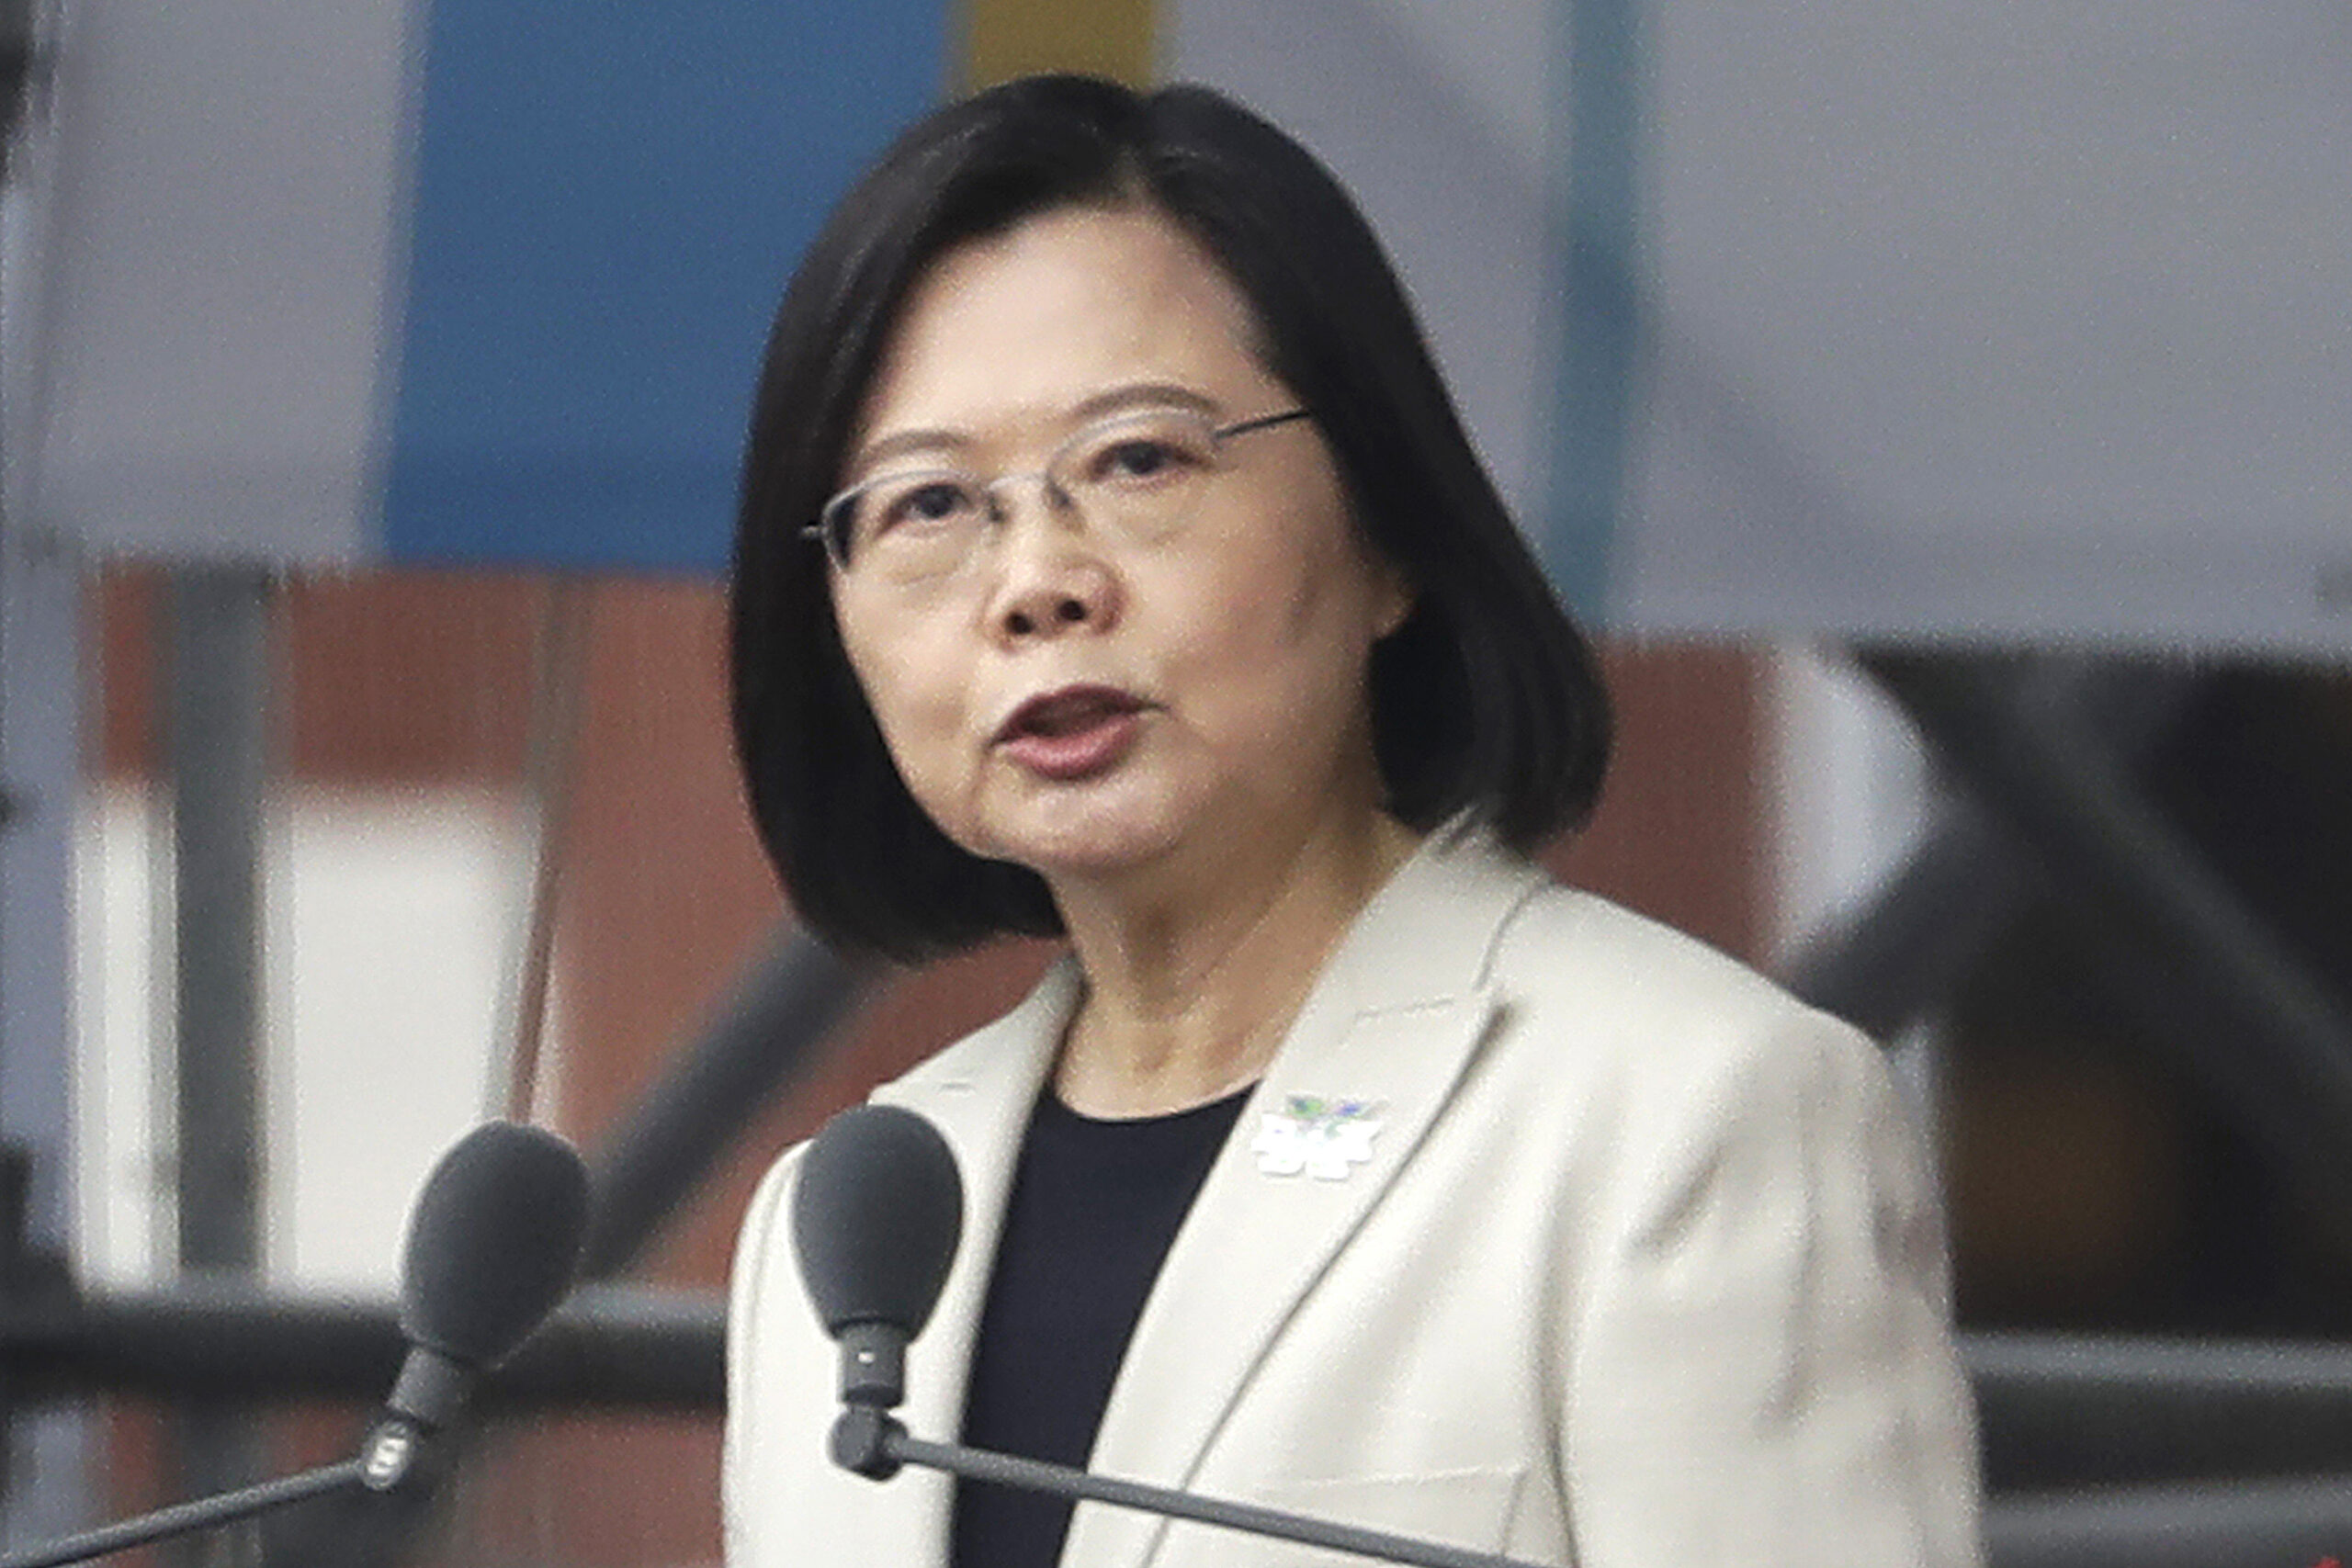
(1386, 1029)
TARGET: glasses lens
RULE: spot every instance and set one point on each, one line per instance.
(1142, 474)
(908, 528)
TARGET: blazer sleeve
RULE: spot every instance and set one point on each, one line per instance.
(1760, 1368)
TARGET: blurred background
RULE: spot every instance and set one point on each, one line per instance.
(1943, 416)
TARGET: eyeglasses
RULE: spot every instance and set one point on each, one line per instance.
(1139, 478)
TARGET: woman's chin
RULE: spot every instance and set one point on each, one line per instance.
(1084, 846)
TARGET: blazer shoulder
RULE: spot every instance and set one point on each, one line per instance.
(1562, 937)
(1674, 1064)
(1620, 996)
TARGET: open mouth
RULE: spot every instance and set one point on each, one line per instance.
(1073, 711)
(1072, 734)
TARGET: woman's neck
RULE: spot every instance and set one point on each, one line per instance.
(1190, 993)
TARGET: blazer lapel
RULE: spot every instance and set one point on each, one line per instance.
(1389, 1027)
(979, 1095)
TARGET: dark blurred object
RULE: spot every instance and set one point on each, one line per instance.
(2219, 986)
(611, 1346)
(21, 59)
(24, 1268)
(2149, 1060)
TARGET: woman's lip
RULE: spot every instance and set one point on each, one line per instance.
(1073, 732)
(1023, 720)
(1094, 748)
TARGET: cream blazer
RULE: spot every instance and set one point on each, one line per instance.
(1548, 1232)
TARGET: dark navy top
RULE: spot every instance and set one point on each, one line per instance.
(1094, 1208)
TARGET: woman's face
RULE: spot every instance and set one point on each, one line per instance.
(1077, 698)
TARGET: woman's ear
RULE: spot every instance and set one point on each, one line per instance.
(1396, 597)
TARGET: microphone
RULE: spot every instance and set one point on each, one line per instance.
(876, 1215)
(493, 1244)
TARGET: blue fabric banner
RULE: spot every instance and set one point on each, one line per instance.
(608, 199)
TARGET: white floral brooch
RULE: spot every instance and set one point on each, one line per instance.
(1316, 1136)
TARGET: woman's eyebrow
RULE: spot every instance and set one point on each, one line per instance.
(900, 442)
(1142, 394)
(1104, 404)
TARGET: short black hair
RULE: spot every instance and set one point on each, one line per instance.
(1487, 704)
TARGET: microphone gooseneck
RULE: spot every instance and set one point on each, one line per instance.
(493, 1242)
(876, 1214)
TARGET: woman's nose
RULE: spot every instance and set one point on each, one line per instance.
(1051, 576)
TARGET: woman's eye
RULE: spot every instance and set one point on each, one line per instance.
(1138, 459)
(939, 500)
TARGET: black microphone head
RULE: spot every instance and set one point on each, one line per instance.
(875, 1217)
(492, 1243)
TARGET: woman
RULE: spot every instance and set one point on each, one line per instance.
(1113, 565)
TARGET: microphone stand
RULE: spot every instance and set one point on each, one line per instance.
(388, 1456)
(875, 1444)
